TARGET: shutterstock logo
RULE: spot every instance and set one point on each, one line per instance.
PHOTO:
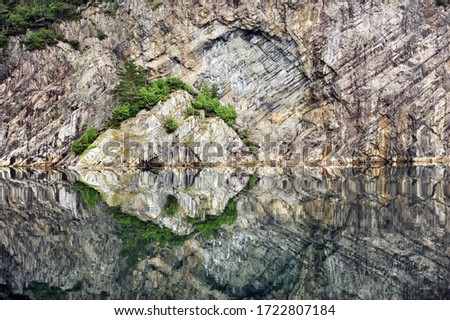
(195, 150)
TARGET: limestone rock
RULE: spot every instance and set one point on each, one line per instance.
(197, 140)
(331, 82)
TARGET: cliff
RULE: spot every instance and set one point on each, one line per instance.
(323, 82)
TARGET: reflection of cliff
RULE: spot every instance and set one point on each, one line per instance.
(301, 234)
(48, 235)
(356, 234)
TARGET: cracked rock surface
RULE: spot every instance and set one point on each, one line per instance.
(329, 82)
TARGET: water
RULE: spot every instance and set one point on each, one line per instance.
(353, 233)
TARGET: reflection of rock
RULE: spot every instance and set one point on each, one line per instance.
(145, 194)
(144, 139)
(304, 233)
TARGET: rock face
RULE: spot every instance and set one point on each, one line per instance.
(299, 234)
(197, 140)
(328, 82)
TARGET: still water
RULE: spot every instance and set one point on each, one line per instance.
(353, 233)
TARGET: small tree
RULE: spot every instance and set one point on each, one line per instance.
(132, 79)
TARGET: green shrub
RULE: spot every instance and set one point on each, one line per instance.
(443, 3)
(17, 17)
(101, 35)
(157, 4)
(157, 91)
(171, 125)
(124, 112)
(39, 40)
(206, 101)
(81, 144)
(214, 91)
(226, 113)
(172, 206)
(16, 24)
(253, 149)
(3, 40)
(111, 9)
(175, 84)
(252, 181)
(191, 111)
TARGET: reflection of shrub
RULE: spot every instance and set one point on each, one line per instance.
(212, 224)
(172, 206)
(171, 125)
(136, 236)
(89, 194)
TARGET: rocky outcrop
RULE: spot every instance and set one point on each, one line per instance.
(299, 234)
(143, 139)
(327, 82)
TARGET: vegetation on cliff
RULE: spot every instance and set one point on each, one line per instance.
(171, 125)
(136, 93)
(19, 17)
(207, 100)
(82, 143)
(40, 39)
